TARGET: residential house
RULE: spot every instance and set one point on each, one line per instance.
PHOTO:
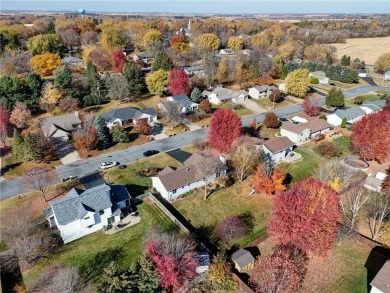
(321, 77)
(226, 52)
(82, 212)
(381, 282)
(184, 102)
(61, 126)
(374, 183)
(145, 57)
(261, 91)
(186, 31)
(303, 118)
(276, 148)
(317, 127)
(386, 76)
(197, 70)
(243, 260)
(72, 62)
(295, 132)
(362, 73)
(350, 114)
(171, 183)
(373, 107)
(220, 94)
(282, 87)
(203, 262)
(128, 115)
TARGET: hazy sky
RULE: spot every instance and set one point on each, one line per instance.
(204, 6)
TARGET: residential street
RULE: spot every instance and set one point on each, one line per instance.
(83, 168)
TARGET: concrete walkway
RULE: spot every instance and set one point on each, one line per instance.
(127, 221)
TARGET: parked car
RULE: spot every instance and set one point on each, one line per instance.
(107, 165)
(283, 120)
(150, 153)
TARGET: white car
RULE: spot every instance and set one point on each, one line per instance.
(107, 165)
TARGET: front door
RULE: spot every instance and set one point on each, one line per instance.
(111, 220)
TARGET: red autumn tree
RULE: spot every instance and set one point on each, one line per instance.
(271, 120)
(265, 80)
(231, 228)
(282, 271)
(225, 128)
(174, 258)
(371, 136)
(311, 107)
(386, 182)
(268, 183)
(119, 59)
(306, 215)
(178, 82)
(85, 140)
(177, 39)
(4, 124)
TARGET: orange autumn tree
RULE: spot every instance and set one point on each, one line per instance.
(268, 183)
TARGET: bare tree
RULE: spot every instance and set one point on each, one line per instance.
(244, 157)
(20, 115)
(334, 169)
(172, 113)
(88, 38)
(378, 211)
(117, 87)
(58, 279)
(351, 204)
(39, 179)
(71, 38)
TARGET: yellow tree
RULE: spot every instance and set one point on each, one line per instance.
(318, 53)
(257, 40)
(86, 52)
(223, 71)
(287, 51)
(235, 43)
(297, 82)
(151, 36)
(383, 62)
(112, 38)
(157, 80)
(44, 64)
(50, 97)
(209, 42)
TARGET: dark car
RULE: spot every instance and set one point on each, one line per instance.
(150, 153)
(283, 120)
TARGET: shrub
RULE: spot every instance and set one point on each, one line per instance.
(323, 116)
(358, 100)
(271, 120)
(329, 149)
(320, 137)
(343, 123)
(230, 228)
(314, 80)
(119, 134)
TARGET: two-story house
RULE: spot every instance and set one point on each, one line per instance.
(261, 91)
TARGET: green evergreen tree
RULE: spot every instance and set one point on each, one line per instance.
(34, 83)
(63, 77)
(343, 123)
(335, 98)
(102, 133)
(329, 60)
(17, 145)
(32, 149)
(148, 280)
(196, 94)
(344, 60)
(162, 61)
(331, 72)
(135, 78)
(284, 73)
(97, 86)
(119, 135)
(116, 280)
(50, 28)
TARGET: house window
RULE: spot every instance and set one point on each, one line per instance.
(101, 212)
(86, 218)
(90, 226)
(174, 191)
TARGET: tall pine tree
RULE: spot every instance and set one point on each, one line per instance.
(162, 61)
(17, 145)
(102, 133)
(135, 78)
(32, 149)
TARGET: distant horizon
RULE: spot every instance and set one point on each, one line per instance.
(251, 7)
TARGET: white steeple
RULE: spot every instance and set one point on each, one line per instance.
(189, 24)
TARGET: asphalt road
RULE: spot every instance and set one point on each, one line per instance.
(87, 167)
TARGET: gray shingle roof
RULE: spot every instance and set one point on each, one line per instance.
(264, 88)
(181, 98)
(65, 122)
(77, 202)
(375, 105)
(382, 278)
(126, 113)
(243, 257)
(350, 113)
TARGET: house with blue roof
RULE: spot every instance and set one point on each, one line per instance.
(183, 102)
(351, 115)
(128, 115)
(82, 212)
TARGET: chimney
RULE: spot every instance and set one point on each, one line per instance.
(76, 113)
(223, 159)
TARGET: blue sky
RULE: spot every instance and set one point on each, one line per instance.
(204, 6)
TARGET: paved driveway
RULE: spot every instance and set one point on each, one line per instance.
(66, 151)
(248, 103)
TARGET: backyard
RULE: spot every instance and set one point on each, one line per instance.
(239, 109)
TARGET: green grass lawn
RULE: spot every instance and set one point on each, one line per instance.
(367, 99)
(267, 104)
(344, 143)
(302, 169)
(125, 246)
(130, 177)
(242, 111)
(234, 200)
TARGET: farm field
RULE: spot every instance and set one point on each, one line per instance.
(367, 49)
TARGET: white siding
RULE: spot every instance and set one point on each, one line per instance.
(254, 93)
(277, 157)
(115, 122)
(334, 119)
(295, 137)
(313, 134)
(213, 99)
(375, 290)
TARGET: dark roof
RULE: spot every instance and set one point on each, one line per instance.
(294, 128)
(181, 98)
(264, 88)
(278, 144)
(77, 202)
(203, 258)
(189, 173)
(126, 113)
(62, 122)
(382, 278)
(362, 71)
(242, 257)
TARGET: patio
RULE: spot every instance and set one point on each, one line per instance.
(126, 222)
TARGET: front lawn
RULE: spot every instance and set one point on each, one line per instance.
(267, 104)
(239, 109)
(134, 182)
(367, 98)
(125, 246)
(233, 200)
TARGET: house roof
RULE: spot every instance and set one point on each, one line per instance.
(317, 125)
(181, 98)
(77, 202)
(264, 88)
(362, 71)
(225, 93)
(318, 74)
(62, 122)
(189, 173)
(242, 257)
(350, 113)
(292, 127)
(303, 116)
(203, 258)
(382, 278)
(126, 113)
(278, 144)
(373, 182)
(71, 59)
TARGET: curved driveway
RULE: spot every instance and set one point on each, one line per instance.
(83, 168)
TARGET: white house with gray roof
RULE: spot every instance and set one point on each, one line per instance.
(123, 116)
(220, 94)
(261, 91)
(60, 126)
(373, 107)
(351, 115)
(183, 101)
(82, 212)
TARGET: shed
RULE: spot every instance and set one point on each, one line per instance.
(243, 260)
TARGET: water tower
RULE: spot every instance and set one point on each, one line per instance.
(82, 12)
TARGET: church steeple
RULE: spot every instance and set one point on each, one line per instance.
(189, 24)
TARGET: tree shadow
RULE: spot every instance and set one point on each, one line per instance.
(207, 233)
(375, 261)
(287, 179)
(11, 166)
(248, 220)
(94, 267)
(136, 190)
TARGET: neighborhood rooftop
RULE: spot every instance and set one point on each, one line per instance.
(65, 122)
(278, 144)
(317, 125)
(294, 128)
(126, 113)
(242, 257)
(382, 279)
(350, 113)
